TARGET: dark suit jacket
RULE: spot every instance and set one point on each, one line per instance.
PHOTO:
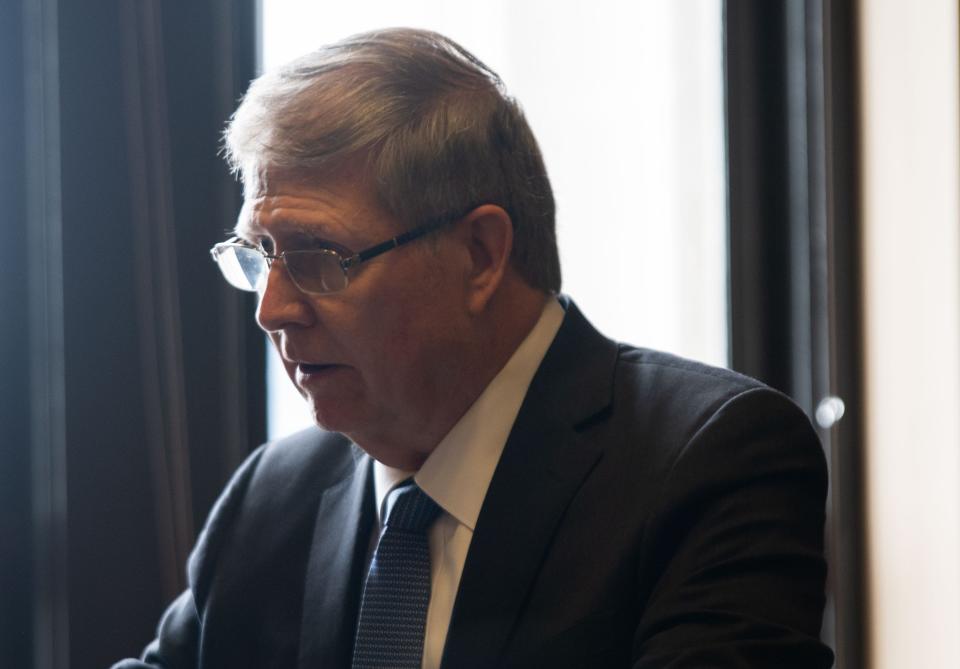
(647, 511)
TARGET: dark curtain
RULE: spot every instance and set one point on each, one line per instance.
(791, 82)
(133, 379)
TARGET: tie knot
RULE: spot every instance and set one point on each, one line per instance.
(411, 509)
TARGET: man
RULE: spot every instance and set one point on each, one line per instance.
(574, 502)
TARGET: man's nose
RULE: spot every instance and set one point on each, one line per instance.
(281, 303)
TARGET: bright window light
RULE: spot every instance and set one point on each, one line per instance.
(626, 100)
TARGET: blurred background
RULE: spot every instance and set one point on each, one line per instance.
(768, 185)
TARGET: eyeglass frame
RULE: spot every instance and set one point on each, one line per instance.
(345, 263)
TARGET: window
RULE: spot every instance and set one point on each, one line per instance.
(626, 99)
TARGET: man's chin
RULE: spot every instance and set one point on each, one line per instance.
(332, 417)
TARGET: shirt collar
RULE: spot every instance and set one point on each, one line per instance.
(457, 473)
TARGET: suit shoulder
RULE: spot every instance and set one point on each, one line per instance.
(668, 368)
(667, 379)
(674, 398)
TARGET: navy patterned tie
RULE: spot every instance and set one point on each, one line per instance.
(393, 612)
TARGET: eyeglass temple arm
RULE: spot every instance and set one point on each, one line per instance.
(399, 240)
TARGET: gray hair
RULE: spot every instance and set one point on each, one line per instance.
(432, 124)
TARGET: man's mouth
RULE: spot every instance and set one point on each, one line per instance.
(307, 369)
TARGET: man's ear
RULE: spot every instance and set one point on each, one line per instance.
(488, 233)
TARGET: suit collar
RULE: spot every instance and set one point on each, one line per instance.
(575, 381)
(572, 387)
(334, 579)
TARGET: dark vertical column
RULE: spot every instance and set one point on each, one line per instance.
(45, 352)
(845, 333)
(117, 546)
(759, 191)
(16, 576)
(164, 380)
(132, 381)
(791, 105)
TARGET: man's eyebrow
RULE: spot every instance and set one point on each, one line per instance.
(316, 230)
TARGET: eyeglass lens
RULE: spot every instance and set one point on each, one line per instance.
(314, 271)
(243, 268)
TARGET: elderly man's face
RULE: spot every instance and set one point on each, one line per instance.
(375, 359)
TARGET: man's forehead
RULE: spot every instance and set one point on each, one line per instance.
(297, 201)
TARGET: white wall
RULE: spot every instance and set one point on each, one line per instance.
(911, 247)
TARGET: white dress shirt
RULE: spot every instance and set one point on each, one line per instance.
(457, 473)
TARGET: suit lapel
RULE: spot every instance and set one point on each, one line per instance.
(335, 570)
(544, 463)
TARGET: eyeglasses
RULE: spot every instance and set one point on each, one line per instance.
(314, 271)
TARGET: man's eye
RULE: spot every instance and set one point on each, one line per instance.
(327, 245)
(303, 242)
(266, 244)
